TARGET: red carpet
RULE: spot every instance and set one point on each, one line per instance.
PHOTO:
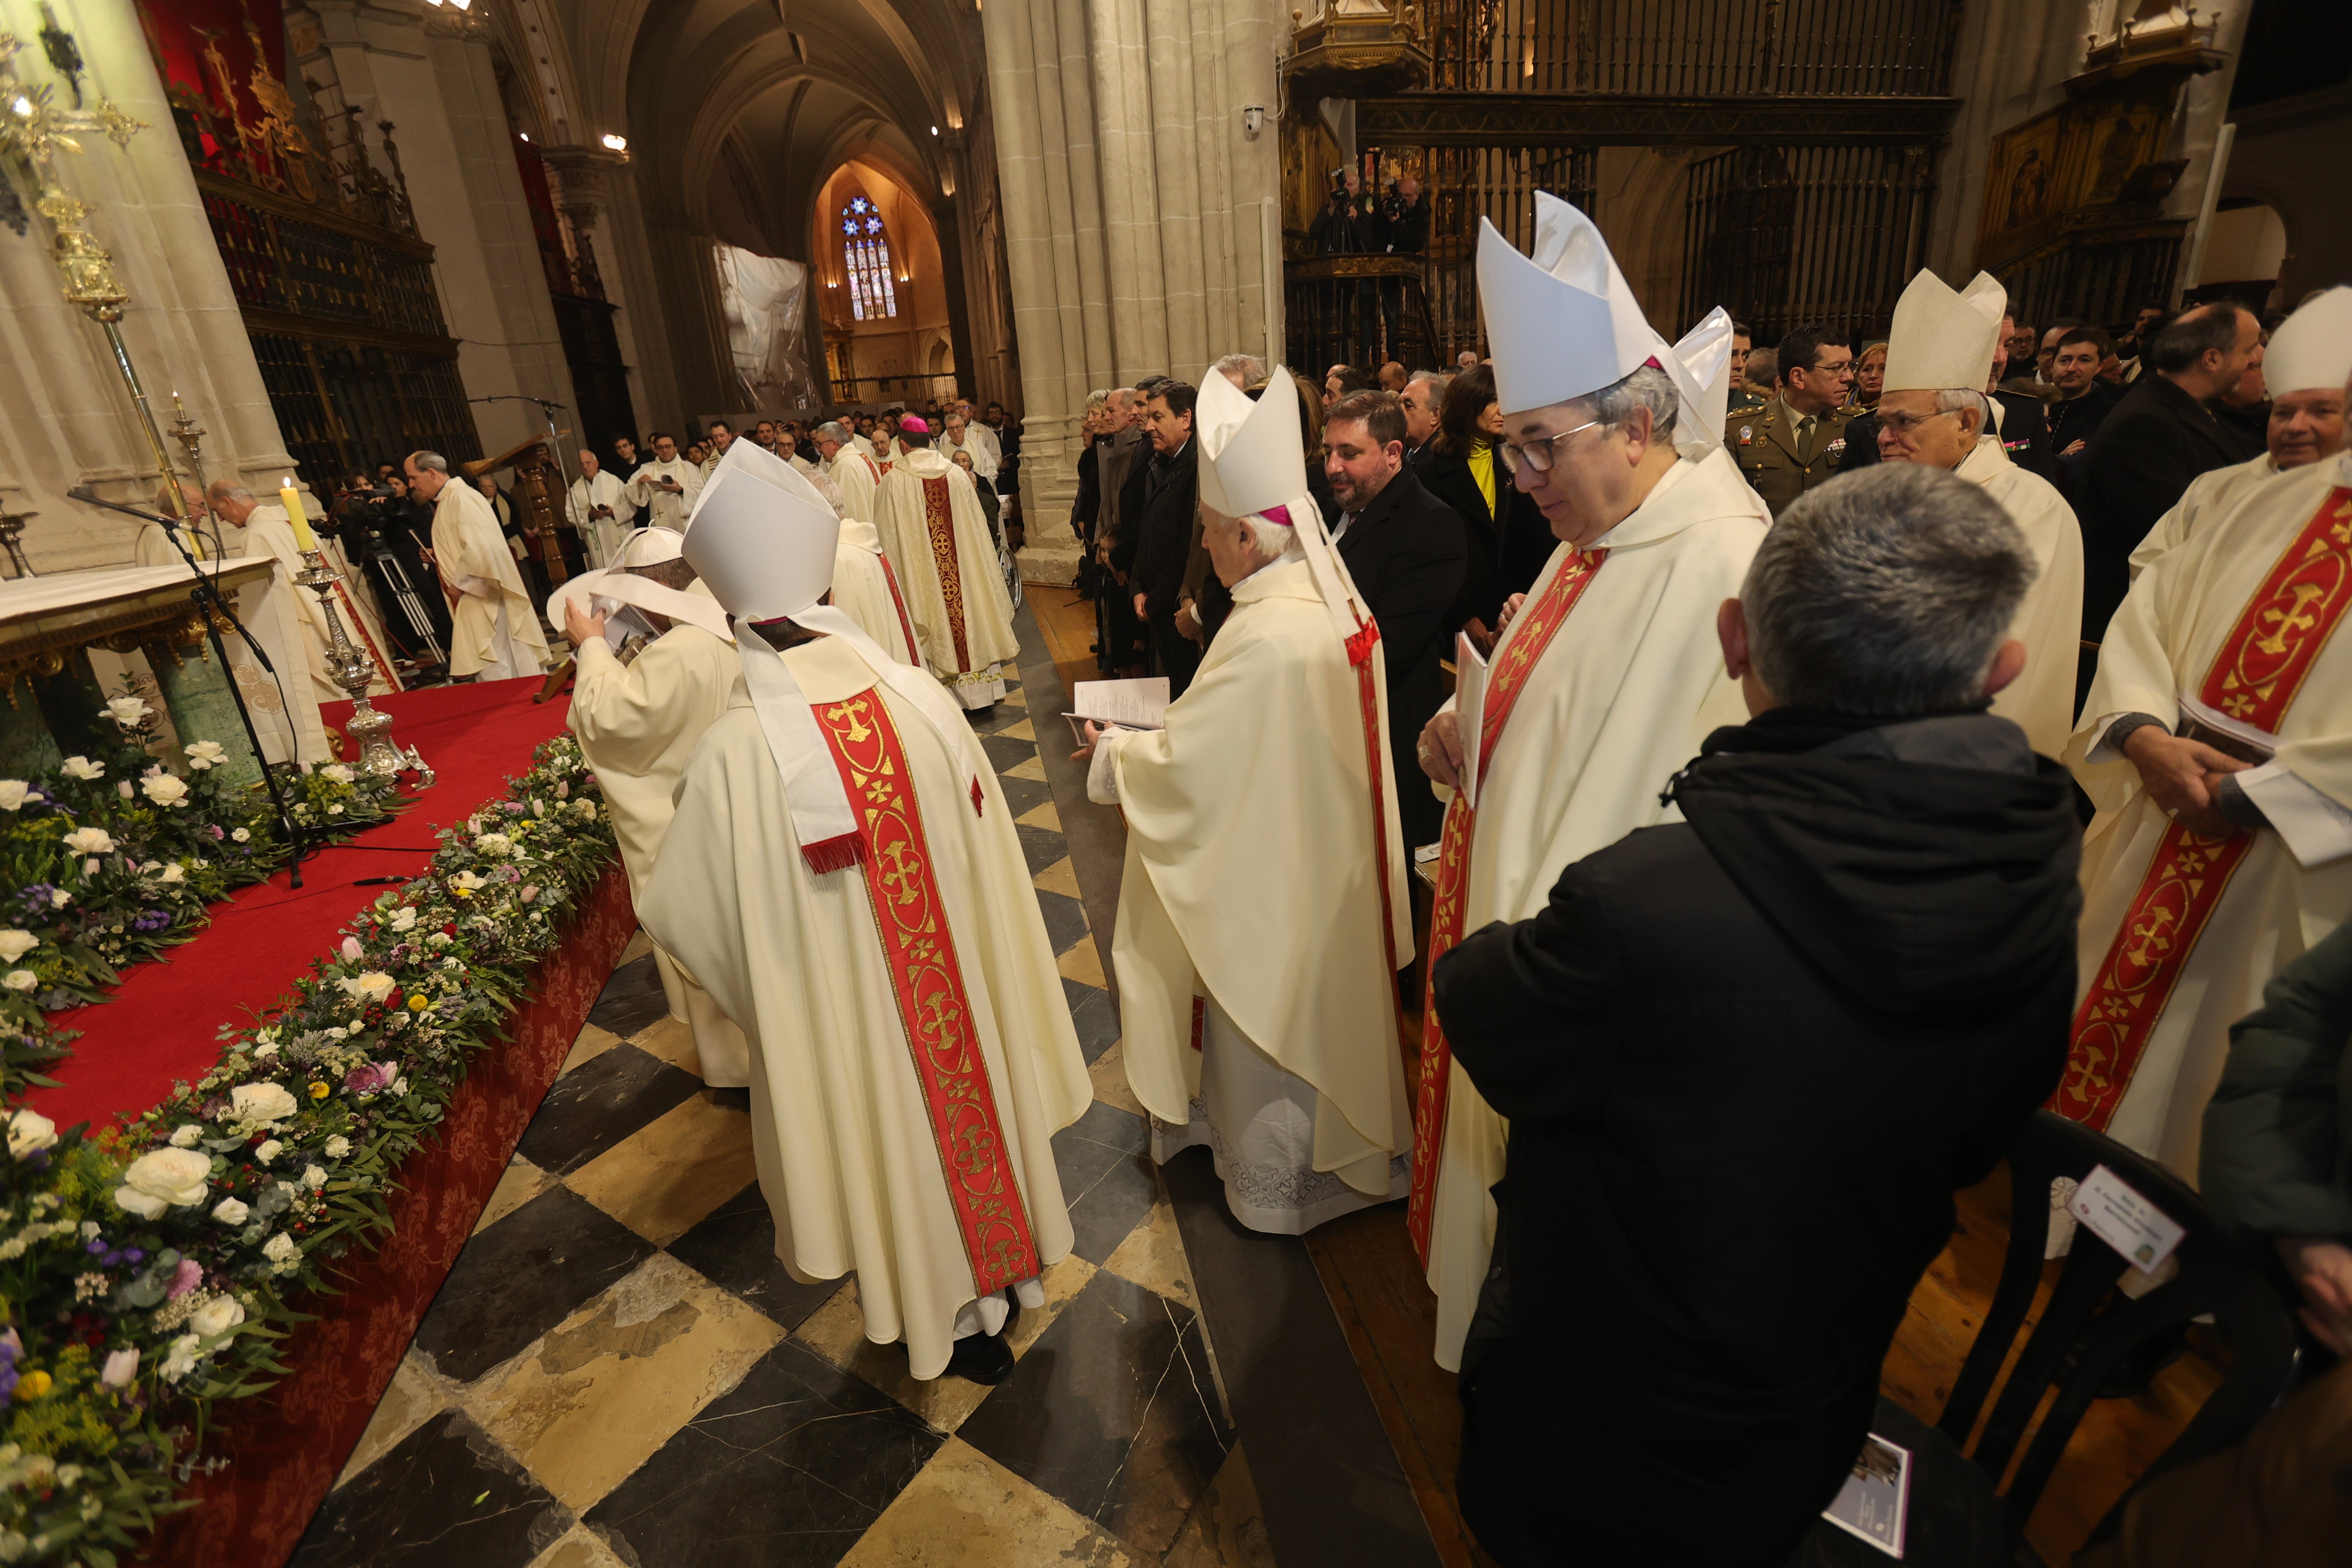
(161, 1025)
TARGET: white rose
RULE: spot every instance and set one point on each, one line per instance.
(278, 1248)
(241, 836)
(127, 711)
(262, 1053)
(404, 918)
(180, 1357)
(206, 755)
(22, 980)
(337, 1146)
(170, 1175)
(16, 944)
(83, 768)
(175, 872)
(187, 1135)
(230, 1211)
(123, 789)
(121, 1366)
(314, 1178)
(60, 898)
(29, 1132)
(13, 793)
(130, 1200)
(337, 771)
(262, 1103)
(268, 1151)
(90, 841)
(374, 985)
(493, 843)
(216, 1317)
(164, 789)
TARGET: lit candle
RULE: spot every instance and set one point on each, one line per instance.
(304, 540)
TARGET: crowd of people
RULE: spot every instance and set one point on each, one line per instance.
(1845, 818)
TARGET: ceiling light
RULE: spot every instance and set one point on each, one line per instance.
(935, 130)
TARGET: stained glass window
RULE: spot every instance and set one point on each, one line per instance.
(865, 257)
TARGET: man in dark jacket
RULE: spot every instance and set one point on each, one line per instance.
(1407, 553)
(1748, 1057)
(1169, 519)
(2158, 438)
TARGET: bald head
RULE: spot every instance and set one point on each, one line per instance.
(190, 503)
(230, 502)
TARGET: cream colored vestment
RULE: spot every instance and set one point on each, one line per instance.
(2041, 700)
(968, 576)
(861, 589)
(494, 627)
(662, 509)
(855, 475)
(847, 1157)
(268, 532)
(2208, 498)
(1630, 685)
(1250, 880)
(602, 536)
(637, 724)
(2164, 638)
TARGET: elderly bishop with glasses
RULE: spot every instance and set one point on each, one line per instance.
(1607, 675)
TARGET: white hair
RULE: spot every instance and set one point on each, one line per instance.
(1271, 539)
(1648, 388)
(432, 461)
(1096, 400)
(1441, 379)
(831, 430)
(1241, 368)
(1954, 399)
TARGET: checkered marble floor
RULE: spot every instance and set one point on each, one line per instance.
(619, 1371)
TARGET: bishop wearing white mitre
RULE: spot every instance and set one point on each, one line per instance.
(843, 876)
(2304, 368)
(937, 537)
(494, 625)
(849, 465)
(2217, 743)
(601, 509)
(638, 714)
(1606, 678)
(1939, 355)
(663, 488)
(1263, 911)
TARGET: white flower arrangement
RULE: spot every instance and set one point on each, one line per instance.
(83, 768)
(90, 841)
(14, 794)
(206, 755)
(165, 789)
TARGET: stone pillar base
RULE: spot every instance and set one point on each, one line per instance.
(1055, 564)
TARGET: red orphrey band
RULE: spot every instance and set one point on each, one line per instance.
(939, 520)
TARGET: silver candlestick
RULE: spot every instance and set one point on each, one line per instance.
(355, 672)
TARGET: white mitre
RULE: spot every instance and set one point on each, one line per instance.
(1254, 464)
(1700, 366)
(764, 541)
(2311, 348)
(1943, 339)
(1563, 322)
(646, 547)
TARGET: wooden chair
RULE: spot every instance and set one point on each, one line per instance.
(1960, 1513)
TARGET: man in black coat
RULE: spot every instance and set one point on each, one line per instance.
(1407, 553)
(1748, 1057)
(2159, 437)
(1169, 519)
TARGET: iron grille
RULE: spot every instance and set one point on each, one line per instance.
(1498, 184)
(2105, 282)
(282, 262)
(342, 404)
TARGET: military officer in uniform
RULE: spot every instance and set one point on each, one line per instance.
(1745, 402)
(1798, 440)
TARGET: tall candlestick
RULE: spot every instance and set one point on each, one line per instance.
(304, 541)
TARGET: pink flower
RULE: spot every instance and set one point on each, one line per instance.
(373, 1078)
(191, 1275)
(351, 949)
(530, 893)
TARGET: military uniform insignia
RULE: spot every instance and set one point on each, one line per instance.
(1837, 445)
(1746, 436)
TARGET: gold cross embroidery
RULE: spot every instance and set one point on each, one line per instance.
(2292, 619)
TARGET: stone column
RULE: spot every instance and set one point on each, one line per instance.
(592, 177)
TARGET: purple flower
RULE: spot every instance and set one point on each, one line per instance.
(190, 1275)
(154, 919)
(36, 897)
(96, 1245)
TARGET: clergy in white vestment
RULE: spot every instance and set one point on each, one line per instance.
(1940, 351)
(937, 539)
(1606, 678)
(153, 547)
(601, 509)
(664, 488)
(1264, 910)
(845, 877)
(269, 531)
(2305, 366)
(494, 625)
(2217, 744)
(865, 588)
(962, 436)
(850, 467)
(638, 711)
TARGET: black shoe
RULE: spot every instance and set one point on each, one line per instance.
(983, 1359)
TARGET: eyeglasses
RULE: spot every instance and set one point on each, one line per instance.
(1537, 454)
(1904, 424)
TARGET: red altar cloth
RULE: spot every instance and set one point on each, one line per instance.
(160, 1027)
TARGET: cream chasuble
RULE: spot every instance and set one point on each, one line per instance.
(285, 707)
(494, 625)
(938, 540)
(855, 1143)
(2041, 700)
(661, 509)
(601, 537)
(267, 532)
(854, 474)
(1249, 882)
(153, 547)
(1618, 699)
(2208, 498)
(2241, 619)
(865, 588)
(637, 724)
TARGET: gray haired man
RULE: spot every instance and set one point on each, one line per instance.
(1747, 1056)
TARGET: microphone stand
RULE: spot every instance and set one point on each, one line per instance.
(208, 595)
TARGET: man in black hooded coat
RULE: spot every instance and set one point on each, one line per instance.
(1748, 1057)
